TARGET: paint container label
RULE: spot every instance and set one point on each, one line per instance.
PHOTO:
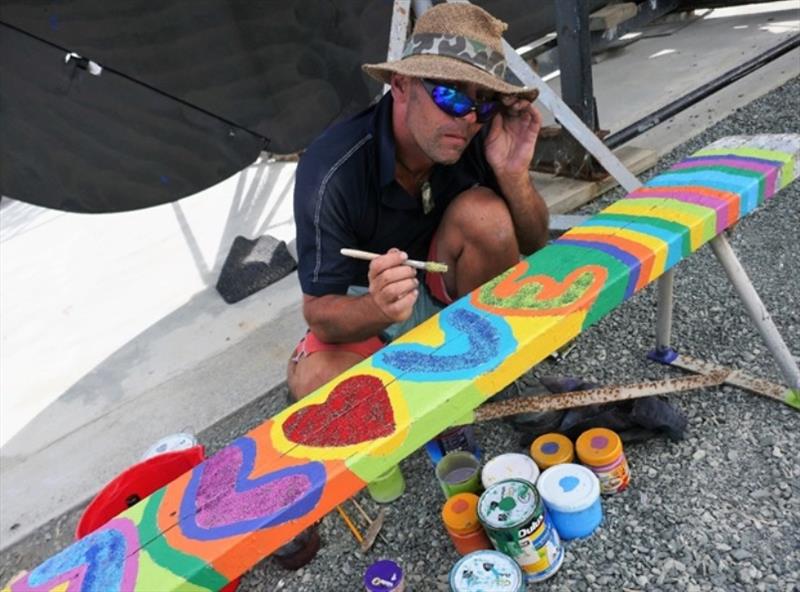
(384, 576)
(452, 440)
(614, 477)
(513, 515)
(171, 443)
(486, 570)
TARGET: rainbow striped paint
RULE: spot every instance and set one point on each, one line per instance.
(216, 521)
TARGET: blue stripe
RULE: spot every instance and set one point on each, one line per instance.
(746, 187)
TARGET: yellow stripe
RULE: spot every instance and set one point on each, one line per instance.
(697, 224)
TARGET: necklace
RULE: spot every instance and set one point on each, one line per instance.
(422, 184)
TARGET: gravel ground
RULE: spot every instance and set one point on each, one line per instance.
(719, 510)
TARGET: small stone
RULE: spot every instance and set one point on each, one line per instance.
(760, 494)
(777, 452)
(699, 455)
(744, 576)
(733, 456)
(740, 554)
(722, 547)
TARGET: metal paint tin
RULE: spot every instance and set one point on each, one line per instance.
(514, 517)
(552, 449)
(485, 571)
(601, 450)
(384, 576)
(511, 465)
(571, 494)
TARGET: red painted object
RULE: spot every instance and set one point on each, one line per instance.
(136, 483)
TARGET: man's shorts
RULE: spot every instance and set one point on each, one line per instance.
(433, 297)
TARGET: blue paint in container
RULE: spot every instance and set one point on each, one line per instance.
(571, 494)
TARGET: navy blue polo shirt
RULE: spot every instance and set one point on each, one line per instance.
(346, 196)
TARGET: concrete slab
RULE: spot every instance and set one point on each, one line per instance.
(113, 336)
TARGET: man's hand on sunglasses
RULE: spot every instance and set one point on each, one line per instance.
(512, 139)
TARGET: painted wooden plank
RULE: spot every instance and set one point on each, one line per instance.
(218, 520)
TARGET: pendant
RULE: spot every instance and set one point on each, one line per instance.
(427, 198)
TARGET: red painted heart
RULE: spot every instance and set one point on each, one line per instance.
(357, 410)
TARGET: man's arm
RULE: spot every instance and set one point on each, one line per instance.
(335, 318)
(509, 151)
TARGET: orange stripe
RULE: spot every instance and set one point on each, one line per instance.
(643, 253)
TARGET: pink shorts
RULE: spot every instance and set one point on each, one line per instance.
(310, 343)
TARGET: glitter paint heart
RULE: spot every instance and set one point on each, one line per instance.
(357, 410)
(222, 500)
(96, 563)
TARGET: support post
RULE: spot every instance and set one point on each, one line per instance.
(664, 352)
(756, 309)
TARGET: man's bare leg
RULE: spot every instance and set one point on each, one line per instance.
(476, 239)
(312, 371)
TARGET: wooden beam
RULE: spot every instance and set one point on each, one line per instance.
(215, 522)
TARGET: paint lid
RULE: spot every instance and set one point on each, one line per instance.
(383, 576)
(486, 571)
(460, 513)
(552, 449)
(598, 447)
(509, 466)
(568, 488)
(509, 503)
(171, 443)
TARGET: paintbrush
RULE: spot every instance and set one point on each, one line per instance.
(432, 266)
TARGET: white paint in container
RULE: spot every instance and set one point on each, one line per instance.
(511, 465)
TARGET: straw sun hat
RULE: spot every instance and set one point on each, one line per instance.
(459, 43)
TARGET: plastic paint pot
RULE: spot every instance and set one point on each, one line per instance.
(511, 465)
(460, 517)
(484, 571)
(384, 576)
(458, 438)
(514, 517)
(552, 449)
(171, 443)
(459, 472)
(601, 450)
(571, 494)
(388, 486)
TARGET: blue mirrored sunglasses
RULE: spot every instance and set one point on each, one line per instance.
(456, 103)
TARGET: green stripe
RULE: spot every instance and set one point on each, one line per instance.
(189, 567)
(787, 170)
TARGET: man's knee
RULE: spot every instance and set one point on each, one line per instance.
(484, 220)
(311, 372)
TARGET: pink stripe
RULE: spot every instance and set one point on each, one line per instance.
(769, 170)
(721, 207)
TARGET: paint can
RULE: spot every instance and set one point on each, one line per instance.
(387, 487)
(171, 443)
(514, 517)
(452, 440)
(571, 494)
(384, 576)
(460, 517)
(459, 472)
(511, 465)
(552, 449)
(601, 450)
(486, 570)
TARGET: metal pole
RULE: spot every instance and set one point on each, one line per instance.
(664, 318)
(756, 309)
(575, 58)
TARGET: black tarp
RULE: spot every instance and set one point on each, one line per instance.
(190, 91)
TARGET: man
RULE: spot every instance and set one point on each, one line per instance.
(437, 170)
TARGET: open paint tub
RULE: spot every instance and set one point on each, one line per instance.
(571, 494)
(482, 571)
